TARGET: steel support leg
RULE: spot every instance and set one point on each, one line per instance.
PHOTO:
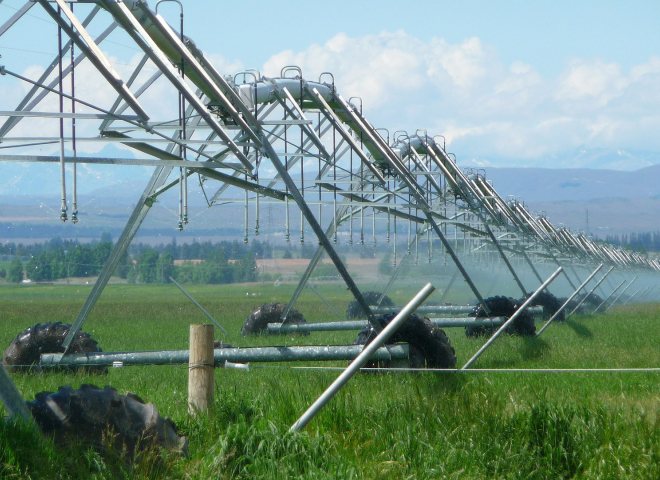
(531, 265)
(449, 285)
(413, 189)
(512, 318)
(505, 259)
(590, 292)
(568, 300)
(608, 297)
(641, 290)
(616, 299)
(361, 359)
(206, 313)
(11, 397)
(137, 217)
(318, 230)
(457, 262)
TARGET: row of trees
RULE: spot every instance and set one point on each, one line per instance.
(208, 250)
(59, 258)
(640, 242)
(152, 266)
(220, 262)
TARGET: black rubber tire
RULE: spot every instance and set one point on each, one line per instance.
(550, 305)
(267, 313)
(500, 306)
(592, 301)
(24, 352)
(571, 306)
(89, 413)
(429, 345)
(354, 310)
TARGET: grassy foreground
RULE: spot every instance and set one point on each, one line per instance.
(394, 425)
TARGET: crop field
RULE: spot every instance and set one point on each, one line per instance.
(394, 425)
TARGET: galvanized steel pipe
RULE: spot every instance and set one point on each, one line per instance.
(361, 359)
(275, 328)
(221, 355)
(430, 309)
(590, 292)
(577, 290)
(11, 397)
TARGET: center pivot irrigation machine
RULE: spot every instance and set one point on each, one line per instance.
(297, 145)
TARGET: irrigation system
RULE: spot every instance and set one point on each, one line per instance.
(290, 143)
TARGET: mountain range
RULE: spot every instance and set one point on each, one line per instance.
(599, 202)
(596, 201)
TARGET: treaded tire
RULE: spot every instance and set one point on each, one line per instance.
(550, 305)
(24, 352)
(429, 345)
(354, 310)
(267, 313)
(90, 413)
(592, 300)
(501, 306)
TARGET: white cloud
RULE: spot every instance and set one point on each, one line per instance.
(465, 64)
(594, 83)
(483, 106)
(374, 67)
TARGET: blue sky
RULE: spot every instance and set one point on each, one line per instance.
(507, 82)
(532, 83)
(547, 34)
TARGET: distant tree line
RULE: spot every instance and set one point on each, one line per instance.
(639, 242)
(58, 258)
(205, 262)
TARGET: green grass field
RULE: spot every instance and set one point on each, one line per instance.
(393, 425)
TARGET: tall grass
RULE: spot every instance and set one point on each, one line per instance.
(394, 425)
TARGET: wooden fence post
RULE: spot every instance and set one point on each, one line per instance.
(200, 369)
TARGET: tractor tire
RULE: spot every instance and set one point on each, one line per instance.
(267, 313)
(354, 310)
(24, 352)
(592, 301)
(571, 305)
(550, 305)
(429, 345)
(90, 413)
(501, 306)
